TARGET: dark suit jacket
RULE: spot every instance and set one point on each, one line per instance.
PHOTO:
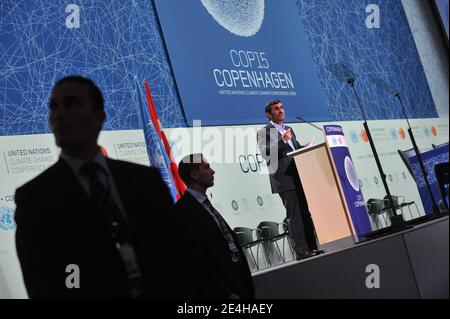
(57, 226)
(282, 171)
(210, 272)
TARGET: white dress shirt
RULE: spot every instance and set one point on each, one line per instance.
(282, 130)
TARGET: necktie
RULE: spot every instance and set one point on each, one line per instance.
(290, 142)
(224, 229)
(104, 204)
(119, 228)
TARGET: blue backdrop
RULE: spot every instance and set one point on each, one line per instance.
(225, 75)
(120, 40)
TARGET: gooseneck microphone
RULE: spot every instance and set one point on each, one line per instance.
(309, 123)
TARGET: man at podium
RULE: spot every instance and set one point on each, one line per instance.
(275, 140)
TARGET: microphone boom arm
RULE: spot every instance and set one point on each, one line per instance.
(309, 123)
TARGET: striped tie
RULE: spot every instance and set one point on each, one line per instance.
(224, 229)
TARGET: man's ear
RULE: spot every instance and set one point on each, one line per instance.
(268, 115)
(194, 175)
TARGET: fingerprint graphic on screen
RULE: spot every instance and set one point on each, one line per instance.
(351, 173)
(241, 17)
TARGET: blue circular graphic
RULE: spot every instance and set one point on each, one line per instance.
(426, 131)
(259, 200)
(351, 173)
(375, 180)
(234, 205)
(241, 17)
(354, 136)
(394, 134)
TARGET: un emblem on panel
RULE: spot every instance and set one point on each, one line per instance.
(334, 141)
(351, 173)
(394, 134)
(7, 218)
(241, 17)
(259, 200)
(354, 136)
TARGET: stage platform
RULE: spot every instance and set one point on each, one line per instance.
(412, 264)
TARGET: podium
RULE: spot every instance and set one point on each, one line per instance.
(326, 199)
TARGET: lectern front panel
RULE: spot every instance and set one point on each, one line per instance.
(325, 203)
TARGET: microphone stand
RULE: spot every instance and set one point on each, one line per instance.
(419, 158)
(397, 222)
(309, 123)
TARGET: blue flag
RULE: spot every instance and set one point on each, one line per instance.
(155, 148)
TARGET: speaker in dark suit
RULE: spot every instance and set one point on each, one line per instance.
(275, 141)
(94, 233)
(216, 264)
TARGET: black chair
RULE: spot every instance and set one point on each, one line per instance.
(441, 171)
(247, 241)
(400, 203)
(376, 207)
(270, 234)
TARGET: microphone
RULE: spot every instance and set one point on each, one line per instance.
(309, 123)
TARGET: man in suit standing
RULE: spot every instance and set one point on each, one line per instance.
(217, 264)
(275, 140)
(89, 226)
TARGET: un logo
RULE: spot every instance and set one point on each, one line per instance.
(334, 141)
(7, 218)
(354, 136)
(394, 134)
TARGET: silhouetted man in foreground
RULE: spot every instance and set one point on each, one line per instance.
(89, 226)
